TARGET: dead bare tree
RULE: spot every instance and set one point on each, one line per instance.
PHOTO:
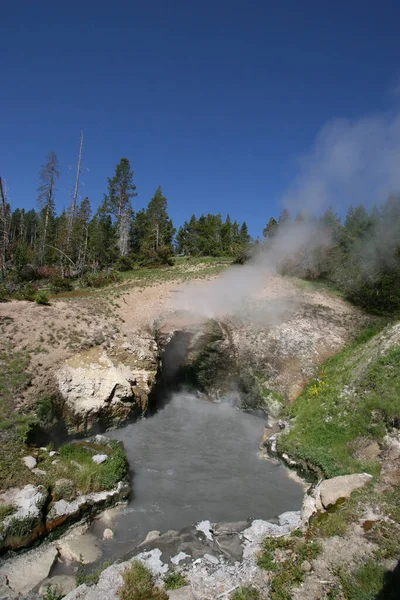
(72, 210)
(4, 228)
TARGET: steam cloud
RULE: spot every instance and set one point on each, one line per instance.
(352, 162)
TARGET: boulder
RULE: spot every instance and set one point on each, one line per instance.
(107, 387)
(64, 584)
(26, 571)
(337, 488)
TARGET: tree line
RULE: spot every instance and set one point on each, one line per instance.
(359, 256)
(76, 240)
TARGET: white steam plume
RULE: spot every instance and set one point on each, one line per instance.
(352, 162)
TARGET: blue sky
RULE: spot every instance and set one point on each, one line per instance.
(215, 101)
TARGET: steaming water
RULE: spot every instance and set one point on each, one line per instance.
(197, 460)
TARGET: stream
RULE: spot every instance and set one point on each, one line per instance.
(196, 460)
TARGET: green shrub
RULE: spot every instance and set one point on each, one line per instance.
(174, 580)
(4, 296)
(46, 410)
(124, 263)
(42, 298)
(138, 584)
(100, 279)
(247, 592)
(60, 284)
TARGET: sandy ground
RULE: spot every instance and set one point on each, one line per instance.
(50, 334)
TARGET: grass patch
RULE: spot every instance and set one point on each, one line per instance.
(364, 583)
(285, 568)
(5, 511)
(76, 466)
(247, 592)
(138, 584)
(174, 581)
(356, 395)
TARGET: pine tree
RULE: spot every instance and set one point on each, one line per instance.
(121, 190)
(159, 231)
(271, 229)
(244, 235)
(284, 217)
(48, 177)
(226, 236)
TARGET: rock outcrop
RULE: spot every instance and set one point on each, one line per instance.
(103, 387)
(339, 488)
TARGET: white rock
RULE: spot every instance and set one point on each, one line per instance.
(26, 571)
(52, 453)
(108, 534)
(335, 489)
(39, 472)
(205, 527)
(179, 557)
(99, 458)
(30, 462)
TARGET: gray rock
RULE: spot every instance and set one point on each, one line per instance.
(337, 488)
(230, 545)
(306, 566)
(183, 593)
(63, 583)
(84, 548)
(211, 559)
(30, 462)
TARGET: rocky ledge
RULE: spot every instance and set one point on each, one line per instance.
(76, 484)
